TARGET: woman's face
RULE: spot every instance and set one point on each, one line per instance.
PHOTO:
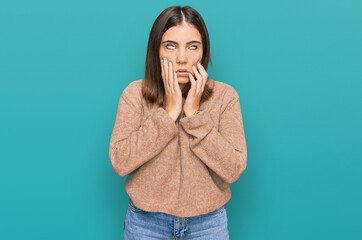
(182, 45)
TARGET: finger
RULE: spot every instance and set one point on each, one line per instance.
(202, 69)
(165, 70)
(193, 84)
(199, 79)
(204, 75)
(163, 73)
(170, 76)
(175, 81)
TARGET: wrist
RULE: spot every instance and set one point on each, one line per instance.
(196, 112)
(192, 113)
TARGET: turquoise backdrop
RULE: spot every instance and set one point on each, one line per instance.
(297, 66)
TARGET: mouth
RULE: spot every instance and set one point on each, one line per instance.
(182, 73)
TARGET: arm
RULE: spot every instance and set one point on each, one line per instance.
(134, 143)
(223, 151)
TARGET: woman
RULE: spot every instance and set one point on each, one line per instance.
(179, 137)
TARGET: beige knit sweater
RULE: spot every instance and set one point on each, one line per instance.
(182, 168)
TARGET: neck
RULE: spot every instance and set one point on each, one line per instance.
(182, 86)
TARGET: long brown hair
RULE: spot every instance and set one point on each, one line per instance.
(152, 85)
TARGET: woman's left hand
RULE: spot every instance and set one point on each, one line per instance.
(194, 95)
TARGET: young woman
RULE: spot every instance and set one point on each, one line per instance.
(179, 137)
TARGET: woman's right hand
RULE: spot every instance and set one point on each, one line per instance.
(173, 92)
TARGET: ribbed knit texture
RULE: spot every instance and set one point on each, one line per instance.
(182, 168)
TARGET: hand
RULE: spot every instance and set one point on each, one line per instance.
(194, 95)
(173, 92)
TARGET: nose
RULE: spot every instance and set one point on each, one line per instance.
(181, 57)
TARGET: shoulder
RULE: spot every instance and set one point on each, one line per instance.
(224, 90)
(132, 94)
(133, 88)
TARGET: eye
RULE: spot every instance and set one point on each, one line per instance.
(169, 45)
(194, 46)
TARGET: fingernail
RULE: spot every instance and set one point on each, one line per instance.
(198, 62)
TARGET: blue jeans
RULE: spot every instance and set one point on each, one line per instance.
(142, 225)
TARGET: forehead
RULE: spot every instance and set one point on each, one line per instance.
(182, 33)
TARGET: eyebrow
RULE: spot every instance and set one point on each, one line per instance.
(194, 41)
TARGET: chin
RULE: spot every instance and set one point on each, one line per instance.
(183, 81)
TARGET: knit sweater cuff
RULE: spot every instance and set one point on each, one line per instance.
(198, 125)
(164, 120)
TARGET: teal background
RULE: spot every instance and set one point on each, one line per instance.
(296, 66)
